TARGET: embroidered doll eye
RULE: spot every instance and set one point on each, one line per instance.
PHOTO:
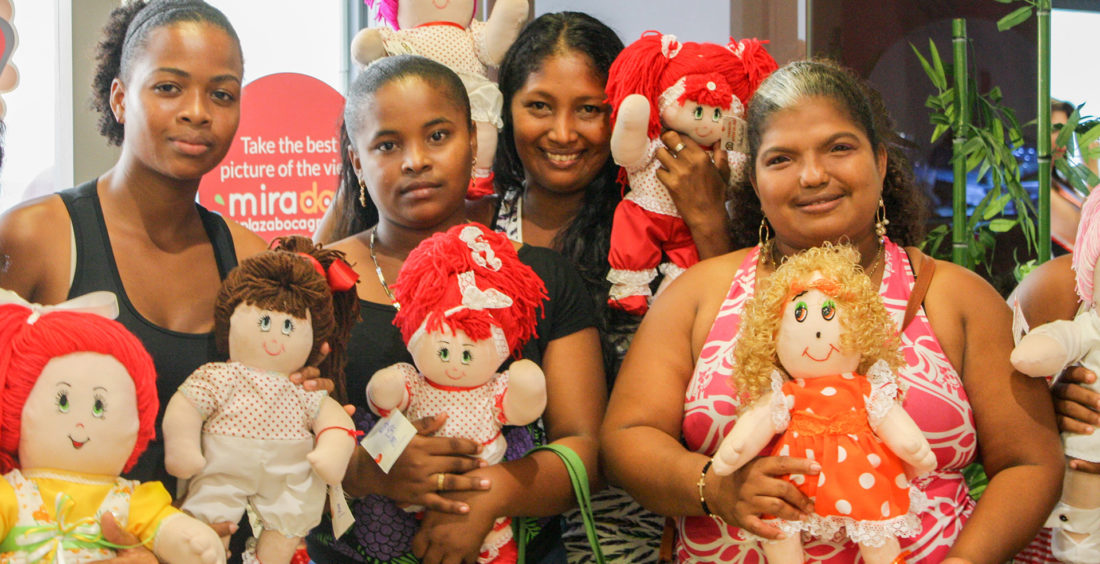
(444, 354)
(828, 310)
(99, 408)
(265, 323)
(698, 112)
(288, 327)
(800, 310)
(63, 401)
(467, 357)
(717, 114)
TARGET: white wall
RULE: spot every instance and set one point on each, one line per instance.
(692, 20)
(1073, 75)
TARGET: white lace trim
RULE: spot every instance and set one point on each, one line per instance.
(836, 528)
(884, 393)
(781, 412)
(654, 203)
(671, 95)
(671, 270)
(626, 283)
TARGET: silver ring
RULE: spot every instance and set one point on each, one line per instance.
(676, 150)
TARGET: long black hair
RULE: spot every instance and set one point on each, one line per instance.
(586, 240)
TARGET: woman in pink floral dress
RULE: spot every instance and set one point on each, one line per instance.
(825, 167)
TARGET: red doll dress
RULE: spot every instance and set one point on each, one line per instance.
(862, 490)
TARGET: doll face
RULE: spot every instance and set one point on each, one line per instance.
(455, 360)
(808, 341)
(701, 122)
(269, 340)
(411, 13)
(81, 416)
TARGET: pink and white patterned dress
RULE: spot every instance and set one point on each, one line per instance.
(935, 400)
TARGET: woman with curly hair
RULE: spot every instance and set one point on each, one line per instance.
(825, 166)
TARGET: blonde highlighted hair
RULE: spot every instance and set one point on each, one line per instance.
(866, 325)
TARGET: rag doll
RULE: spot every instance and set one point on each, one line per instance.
(816, 360)
(1046, 351)
(241, 430)
(659, 83)
(467, 304)
(78, 401)
(446, 32)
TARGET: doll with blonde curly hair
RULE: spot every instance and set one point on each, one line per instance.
(817, 360)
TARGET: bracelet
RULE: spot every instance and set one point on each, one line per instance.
(353, 433)
(701, 484)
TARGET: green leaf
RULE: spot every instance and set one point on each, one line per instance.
(1089, 137)
(996, 207)
(1067, 130)
(1000, 225)
(938, 64)
(938, 81)
(1014, 18)
(936, 133)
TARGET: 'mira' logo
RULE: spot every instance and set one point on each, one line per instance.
(290, 202)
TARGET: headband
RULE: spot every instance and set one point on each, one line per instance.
(103, 304)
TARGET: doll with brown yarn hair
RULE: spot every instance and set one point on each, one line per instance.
(274, 314)
(817, 360)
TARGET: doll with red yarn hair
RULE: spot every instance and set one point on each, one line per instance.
(467, 304)
(659, 83)
(77, 405)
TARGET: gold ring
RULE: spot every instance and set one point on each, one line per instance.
(439, 478)
(676, 150)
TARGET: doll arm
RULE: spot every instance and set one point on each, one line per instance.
(752, 432)
(1049, 348)
(629, 141)
(182, 538)
(182, 437)
(367, 47)
(388, 389)
(501, 29)
(525, 396)
(330, 456)
(902, 436)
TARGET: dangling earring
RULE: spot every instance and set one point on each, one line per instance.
(880, 221)
(764, 233)
(362, 193)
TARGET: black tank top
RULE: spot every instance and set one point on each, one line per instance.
(175, 354)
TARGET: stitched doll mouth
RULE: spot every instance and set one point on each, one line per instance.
(806, 353)
(77, 444)
(276, 352)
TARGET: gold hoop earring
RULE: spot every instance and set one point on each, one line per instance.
(764, 233)
(880, 221)
(362, 193)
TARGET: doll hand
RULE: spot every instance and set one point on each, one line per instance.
(757, 489)
(452, 538)
(525, 399)
(367, 46)
(183, 463)
(386, 389)
(187, 539)
(730, 456)
(925, 459)
(115, 534)
(1038, 355)
(330, 460)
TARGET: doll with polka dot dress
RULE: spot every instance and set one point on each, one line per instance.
(467, 304)
(816, 360)
(660, 83)
(245, 434)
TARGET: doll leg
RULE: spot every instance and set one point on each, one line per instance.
(481, 181)
(289, 500)
(885, 554)
(275, 548)
(1076, 519)
(634, 256)
(786, 551)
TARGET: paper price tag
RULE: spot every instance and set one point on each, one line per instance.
(388, 439)
(735, 134)
(342, 519)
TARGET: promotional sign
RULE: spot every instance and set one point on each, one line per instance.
(281, 172)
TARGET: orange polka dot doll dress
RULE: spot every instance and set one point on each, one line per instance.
(805, 342)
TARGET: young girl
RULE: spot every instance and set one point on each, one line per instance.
(409, 124)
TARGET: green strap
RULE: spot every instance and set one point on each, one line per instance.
(579, 477)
